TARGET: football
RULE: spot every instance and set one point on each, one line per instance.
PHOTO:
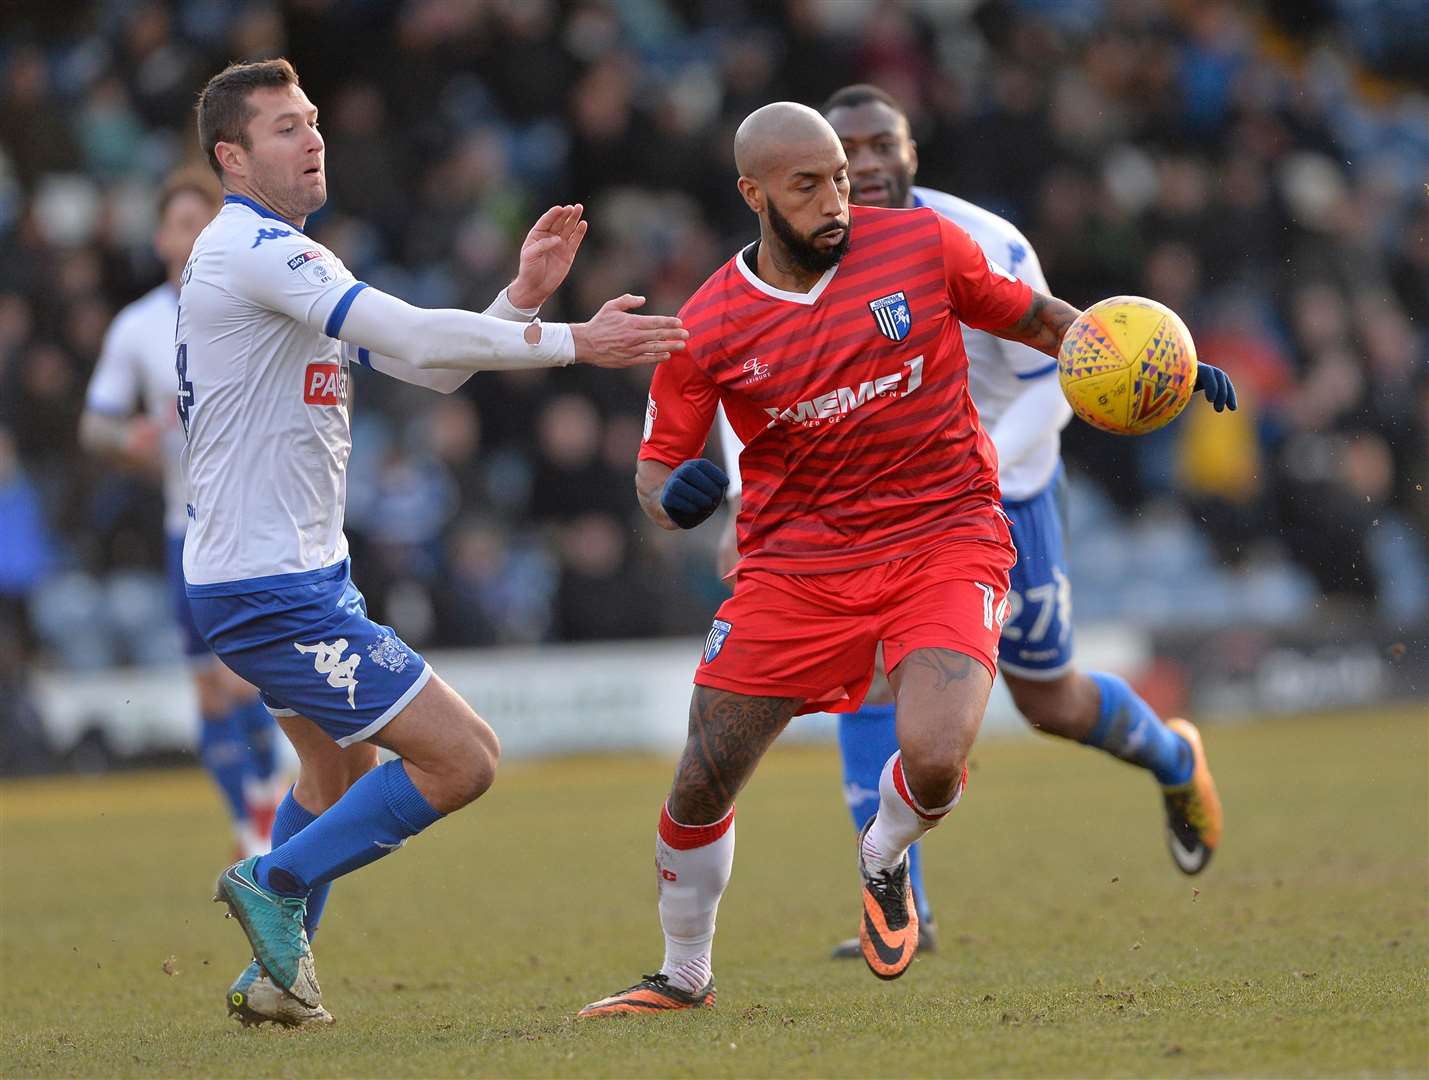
(1127, 365)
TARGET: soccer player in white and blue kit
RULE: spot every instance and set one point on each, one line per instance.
(270, 322)
(1020, 403)
(129, 419)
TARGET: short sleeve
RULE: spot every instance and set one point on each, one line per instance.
(679, 412)
(116, 385)
(985, 296)
(287, 272)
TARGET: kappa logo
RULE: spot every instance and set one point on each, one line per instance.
(340, 671)
(1016, 252)
(270, 234)
(893, 316)
(754, 370)
(324, 384)
(715, 639)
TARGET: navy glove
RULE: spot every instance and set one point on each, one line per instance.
(693, 492)
(1217, 387)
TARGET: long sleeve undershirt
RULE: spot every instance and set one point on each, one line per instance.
(441, 348)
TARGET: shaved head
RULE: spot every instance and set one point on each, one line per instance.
(780, 136)
(794, 175)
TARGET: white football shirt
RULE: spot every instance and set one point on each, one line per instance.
(1000, 371)
(135, 373)
(263, 386)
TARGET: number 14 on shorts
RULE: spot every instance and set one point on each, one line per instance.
(992, 609)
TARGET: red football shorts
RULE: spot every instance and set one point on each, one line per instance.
(814, 636)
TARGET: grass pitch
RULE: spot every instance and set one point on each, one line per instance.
(1072, 947)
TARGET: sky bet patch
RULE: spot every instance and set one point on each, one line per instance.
(313, 267)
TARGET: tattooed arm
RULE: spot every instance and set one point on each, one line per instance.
(1043, 324)
(986, 297)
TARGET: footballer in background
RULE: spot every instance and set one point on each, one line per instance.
(1023, 410)
(129, 419)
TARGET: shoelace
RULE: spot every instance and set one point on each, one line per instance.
(657, 981)
(888, 884)
(296, 910)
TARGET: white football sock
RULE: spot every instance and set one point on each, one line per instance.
(900, 821)
(694, 863)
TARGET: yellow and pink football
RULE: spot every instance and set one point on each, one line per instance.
(1127, 365)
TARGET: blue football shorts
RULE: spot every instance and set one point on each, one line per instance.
(1037, 636)
(312, 651)
(194, 644)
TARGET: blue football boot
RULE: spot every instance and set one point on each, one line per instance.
(274, 925)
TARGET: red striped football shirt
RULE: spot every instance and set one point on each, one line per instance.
(861, 443)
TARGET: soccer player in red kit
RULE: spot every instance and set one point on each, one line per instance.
(870, 514)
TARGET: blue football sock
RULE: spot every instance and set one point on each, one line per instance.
(867, 739)
(223, 752)
(1128, 728)
(373, 819)
(258, 728)
(292, 818)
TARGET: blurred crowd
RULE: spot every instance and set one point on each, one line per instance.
(1261, 168)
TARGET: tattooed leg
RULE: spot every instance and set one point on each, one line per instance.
(941, 696)
(728, 735)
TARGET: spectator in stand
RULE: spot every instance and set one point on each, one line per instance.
(1228, 161)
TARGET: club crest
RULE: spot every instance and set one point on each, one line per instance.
(893, 316)
(715, 639)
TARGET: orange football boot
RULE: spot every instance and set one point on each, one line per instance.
(1193, 809)
(888, 933)
(652, 994)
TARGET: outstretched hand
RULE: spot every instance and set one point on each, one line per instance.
(693, 492)
(546, 255)
(617, 339)
(1217, 386)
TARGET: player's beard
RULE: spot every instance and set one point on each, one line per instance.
(293, 200)
(802, 250)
